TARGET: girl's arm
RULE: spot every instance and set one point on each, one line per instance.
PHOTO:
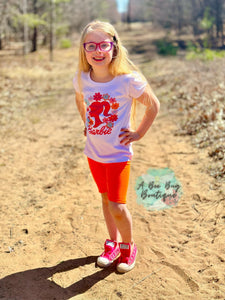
(149, 99)
(81, 106)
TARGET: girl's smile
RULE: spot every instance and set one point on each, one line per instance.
(98, 58)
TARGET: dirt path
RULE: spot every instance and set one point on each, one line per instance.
(52, 221)
(52, 226)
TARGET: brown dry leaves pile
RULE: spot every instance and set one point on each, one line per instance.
(195, 92)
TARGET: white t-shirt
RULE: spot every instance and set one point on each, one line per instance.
(108, 111)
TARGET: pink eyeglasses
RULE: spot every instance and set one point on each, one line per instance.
(102, 46)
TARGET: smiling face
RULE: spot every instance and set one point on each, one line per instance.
(98, 58)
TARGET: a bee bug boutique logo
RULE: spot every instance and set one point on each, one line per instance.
(158, 189)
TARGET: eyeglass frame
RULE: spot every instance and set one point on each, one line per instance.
(98, 46)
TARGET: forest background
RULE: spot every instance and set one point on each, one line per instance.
(38, 22)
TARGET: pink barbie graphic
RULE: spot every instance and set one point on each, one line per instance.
(102, 113)
(96, 108)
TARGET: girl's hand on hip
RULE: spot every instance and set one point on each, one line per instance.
(128, 136)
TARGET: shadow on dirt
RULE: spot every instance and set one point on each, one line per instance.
(35, 284)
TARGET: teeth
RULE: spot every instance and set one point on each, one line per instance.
(99, 59)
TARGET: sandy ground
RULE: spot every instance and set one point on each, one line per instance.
(52, 226)
(52, 221)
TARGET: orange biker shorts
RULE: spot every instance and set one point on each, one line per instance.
(111, 178)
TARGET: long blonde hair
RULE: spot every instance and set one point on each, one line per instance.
(120, 63)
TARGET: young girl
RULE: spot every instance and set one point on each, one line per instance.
(106, 85)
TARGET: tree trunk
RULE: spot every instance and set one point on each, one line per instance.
(3, 7)
(25, 29)
(179, 15)
(128, 16)
(129, 12)
(51, 33)
(34, 40)
(219, 19)
(35, 30)
(194, 17)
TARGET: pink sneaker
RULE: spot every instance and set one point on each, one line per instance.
(112, 251)
(126, 261)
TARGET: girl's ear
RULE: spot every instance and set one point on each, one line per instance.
(115, 51)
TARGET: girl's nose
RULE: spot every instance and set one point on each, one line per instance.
(98, 48)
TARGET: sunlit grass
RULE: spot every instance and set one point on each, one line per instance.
(205, 54)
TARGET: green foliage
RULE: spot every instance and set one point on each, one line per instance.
(31, 20)
(205, 54)
(191, 46)
(65, 43)
(62, 30)
(165, 47)
(207, 21)
(194, 51)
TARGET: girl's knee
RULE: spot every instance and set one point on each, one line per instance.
(105, 199)
(117, 209)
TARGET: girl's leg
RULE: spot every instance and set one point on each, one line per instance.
(122, 220)
(111, 246)
(98, 171)
(118, 181)
(128, 249)
(110, 223)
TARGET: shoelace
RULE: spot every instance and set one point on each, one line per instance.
(108, 250)
(123, 259)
